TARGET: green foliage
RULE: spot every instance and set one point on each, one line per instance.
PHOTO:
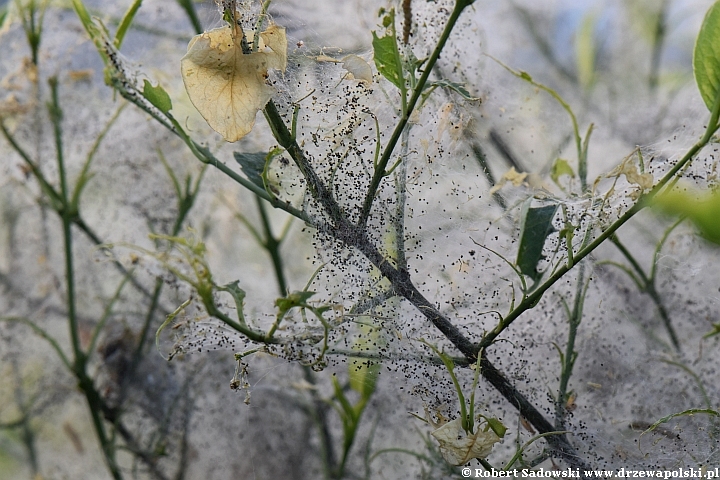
(364, 372)
(157, 96)
(168, 320)
(295, 299)
(350, 414)
(458, 88)
(468, 418)
(350, 229)
(585, 51)
(467, 406)
(238, 295)
(256, 167)
(559, 168)
(706, 57)
(83, 15)
(688, 412)
(581, 144)
(252, 165)
(715, 331)
(386, 52)
(535, 226)
(703, 209)
(32, 14)
(126, 22)
(3, 15)
(189, 7)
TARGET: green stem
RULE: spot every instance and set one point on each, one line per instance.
(154, 301)
(65, 214)
(27, 433)
(204, 156)
(658, 249)
(398, 61)
(79, 366)
(582, 158)
(95, 405)
(316, 186)
(189, 7)
(401, 195)
(49, 338)
(419, 456)
(105, 316)
(657, 46)
(380, 173)
(83, 176)
(48, 190)
(32, 26)
(626, 253)
(482, 161)
(318, 412)
(80, 223)
(648, 286)
(521, 450)
(531, 300)
(272, 245)
(706, 398)
(252, 335)
(203, 153)
(570, 354)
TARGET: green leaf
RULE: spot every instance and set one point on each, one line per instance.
(256, 167)
(189, 7)
(714, 331)
(252, 165)
(387, 58)
(585, 51)
(3, 15)
(467, 420)
(456, 87)
(158, 97)
(645, 17)
(238, 295)
(706, 57)
(169, 320)
(363, 376)
(125, 23)
(689, 412)
(348, 412)
(363, 373)
(535, 228)
(295, 299)
(83, 15)
(560, 167)
(496, 426)
(703, 209)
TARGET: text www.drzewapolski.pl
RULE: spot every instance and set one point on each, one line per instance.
(704, 473)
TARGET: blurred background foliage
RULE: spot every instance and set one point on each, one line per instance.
(85, 394)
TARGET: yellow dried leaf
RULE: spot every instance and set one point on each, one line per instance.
(458, 448)
(228, 87)
(512, 176)
(84, 75)
(644, 180)
(516, 178)
(444, 119)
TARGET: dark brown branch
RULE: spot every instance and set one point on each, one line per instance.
(352, 235)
